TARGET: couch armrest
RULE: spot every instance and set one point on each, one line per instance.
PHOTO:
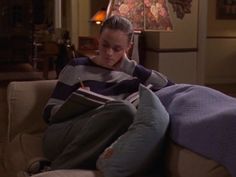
(183, 162)
(26, 100)
(22, 152)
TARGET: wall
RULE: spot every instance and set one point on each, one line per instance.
(217, 27)
(212, 41)
(84, 17)
(77, 18)
(80, 15)
(221, 53)
(95, 6)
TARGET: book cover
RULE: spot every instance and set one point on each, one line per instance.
(83, 100)
(92, 95)
(79, 102)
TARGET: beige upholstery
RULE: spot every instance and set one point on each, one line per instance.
(26, 101)
(22, 152)
(25, 104)
(70, 173)
(181, 162)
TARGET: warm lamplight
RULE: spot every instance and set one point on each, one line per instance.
(98, 22)
(99, 17)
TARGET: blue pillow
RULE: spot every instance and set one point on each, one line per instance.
(136, 150)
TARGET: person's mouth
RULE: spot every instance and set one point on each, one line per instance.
(108, 59)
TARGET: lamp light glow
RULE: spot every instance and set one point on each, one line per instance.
(99, 17)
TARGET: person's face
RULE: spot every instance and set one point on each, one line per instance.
(113, 44)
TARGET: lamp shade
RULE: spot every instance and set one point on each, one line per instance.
(99, 17)
(145, 15)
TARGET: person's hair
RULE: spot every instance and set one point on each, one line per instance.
(118, 23)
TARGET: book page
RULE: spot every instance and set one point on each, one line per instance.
(79, 102)
(134, 97)
(93, 95)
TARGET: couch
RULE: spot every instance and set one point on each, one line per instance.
(26, 100)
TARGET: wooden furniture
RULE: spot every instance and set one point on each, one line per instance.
(45, 53)
(18, 19)
(16, 31)
(87, 46)
(88, 53)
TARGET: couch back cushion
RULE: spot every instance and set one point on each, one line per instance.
(26, 100)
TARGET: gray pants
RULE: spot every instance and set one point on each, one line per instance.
(77, 143)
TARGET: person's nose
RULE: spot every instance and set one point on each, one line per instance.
(109, 51)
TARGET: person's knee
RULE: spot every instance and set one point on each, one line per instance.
(124, 111)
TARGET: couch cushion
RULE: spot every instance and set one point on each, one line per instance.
(26, 100)
(22, 152)
(69, 173)
(181, 162)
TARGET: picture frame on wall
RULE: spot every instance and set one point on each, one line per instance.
(226, 9)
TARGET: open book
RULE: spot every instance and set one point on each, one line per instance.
(83, 100)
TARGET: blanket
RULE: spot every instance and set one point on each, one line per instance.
(203, 120)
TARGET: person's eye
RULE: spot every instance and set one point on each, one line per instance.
(117, 49)
(105, 45)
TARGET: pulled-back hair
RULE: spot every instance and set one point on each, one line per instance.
(118, 23)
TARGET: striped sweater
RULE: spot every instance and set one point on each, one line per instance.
(117, 84)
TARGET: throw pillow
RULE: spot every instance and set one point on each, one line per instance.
(136, 150)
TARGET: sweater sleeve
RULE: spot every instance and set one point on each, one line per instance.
(61, 92)
(147, 76)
